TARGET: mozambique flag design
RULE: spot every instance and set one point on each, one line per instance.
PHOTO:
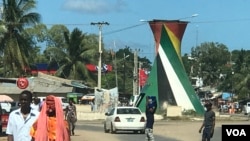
(168, 80)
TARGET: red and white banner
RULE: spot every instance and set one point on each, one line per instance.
(94, 68)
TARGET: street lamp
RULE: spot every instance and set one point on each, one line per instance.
(232, 93)
(192, 16)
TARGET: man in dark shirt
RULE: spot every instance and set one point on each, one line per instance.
(151, 106)
(208, 123)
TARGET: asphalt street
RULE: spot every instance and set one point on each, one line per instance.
(164, 130)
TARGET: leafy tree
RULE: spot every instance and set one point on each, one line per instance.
(73, 57)
(16, 48)
(55, 37)
(209, 62)
(241, 77)
(39, 36)
(124, 65)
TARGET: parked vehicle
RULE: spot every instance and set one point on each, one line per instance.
(247, 108)
(6, 107)
(125, 119)
(87, 98)
(63, 99)
(4, 116)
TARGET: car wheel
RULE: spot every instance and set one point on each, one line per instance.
(142, 131)
(105, 128)
(135, 132)
(112, 129)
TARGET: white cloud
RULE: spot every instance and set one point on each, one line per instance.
(94, 6)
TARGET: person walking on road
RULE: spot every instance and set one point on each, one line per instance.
(151, 106)
(208, 123)
(21, 120)
(50, 125)
(71, 116)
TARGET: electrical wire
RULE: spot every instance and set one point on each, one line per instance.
(126, 28)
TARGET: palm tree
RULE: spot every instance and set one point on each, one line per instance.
(15, 47)
(72, 60)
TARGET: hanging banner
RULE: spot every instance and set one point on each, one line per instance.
(94, 68)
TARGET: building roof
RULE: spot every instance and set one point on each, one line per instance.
(41, 84)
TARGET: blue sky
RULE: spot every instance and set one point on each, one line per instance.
(222, 21)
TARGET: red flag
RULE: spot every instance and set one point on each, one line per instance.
(91, 67)
(143, 77)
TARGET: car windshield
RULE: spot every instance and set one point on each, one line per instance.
(64, 100)
(90, 94)
(128, 111)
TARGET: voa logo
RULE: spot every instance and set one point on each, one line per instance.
(236, 132)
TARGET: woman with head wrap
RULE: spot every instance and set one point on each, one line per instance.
(50, 125)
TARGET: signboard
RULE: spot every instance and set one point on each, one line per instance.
(22, 83)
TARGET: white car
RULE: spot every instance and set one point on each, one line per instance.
(125, 119)
(63, 99)
(87, 98)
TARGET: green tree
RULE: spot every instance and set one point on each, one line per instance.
(124, 64)
(208, 61)
(39, 36)
(241, 76)
(16, 49)
(55, 37)
(72, 57)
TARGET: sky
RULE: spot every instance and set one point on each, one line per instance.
(222, 21)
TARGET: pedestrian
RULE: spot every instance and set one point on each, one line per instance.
(208, 123)
(151, 107)
(50, 125)
(71, 116)
(91, 105)
(21, 120)
(36, 104)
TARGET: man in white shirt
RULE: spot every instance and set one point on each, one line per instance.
(21, 120)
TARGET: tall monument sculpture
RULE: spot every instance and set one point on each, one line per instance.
(168, 80)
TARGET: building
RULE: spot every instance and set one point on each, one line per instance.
(42, 85)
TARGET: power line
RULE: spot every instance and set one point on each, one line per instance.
(126, 28)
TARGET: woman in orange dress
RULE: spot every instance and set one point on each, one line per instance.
(50, 125)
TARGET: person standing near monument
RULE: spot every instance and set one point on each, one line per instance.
(151, 106)
(208, 123)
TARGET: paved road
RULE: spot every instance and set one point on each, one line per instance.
(163, 130)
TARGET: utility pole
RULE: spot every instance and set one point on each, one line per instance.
(124, 72)
(135, 82)
(115, 64)
(124, 75)
(100, 24)
(139, 79)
